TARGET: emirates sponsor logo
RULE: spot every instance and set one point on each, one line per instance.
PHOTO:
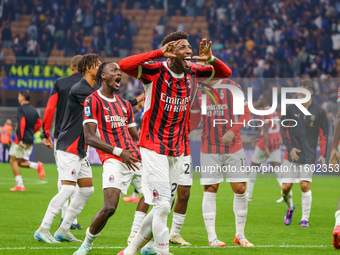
(116, 121)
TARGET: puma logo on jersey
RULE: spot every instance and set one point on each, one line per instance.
(297, 115)
(107, 108)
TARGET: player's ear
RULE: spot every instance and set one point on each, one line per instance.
(103, 76)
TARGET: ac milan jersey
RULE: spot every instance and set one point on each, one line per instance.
(29, 122)
(58, 99)
(167, 99)
(274, 135)
(114, 117)
(71, 137)
(218, 112)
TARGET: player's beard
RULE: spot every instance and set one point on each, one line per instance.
(188, 71)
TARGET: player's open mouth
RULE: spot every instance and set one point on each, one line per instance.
(187, 62)
(118, 82)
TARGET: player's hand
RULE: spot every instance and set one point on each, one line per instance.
(334, 157)
(48, 142)
(140, 98)
(293, 154)
(22, 145)
(169, 48)
(266, 151)
(254, 142)
(228, 137)
(205, 52)
(129, 160)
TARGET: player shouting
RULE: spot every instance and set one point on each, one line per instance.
(165, 124)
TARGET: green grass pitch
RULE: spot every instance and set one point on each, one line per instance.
(21, 214)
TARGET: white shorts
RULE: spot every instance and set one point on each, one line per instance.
(259, 156)
(214, 166)
(17, 151)
(71, 167)
(117, 175)
(185, 179)
(294, 173)
(160, 176)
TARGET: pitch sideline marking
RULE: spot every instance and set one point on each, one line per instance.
(171, 247)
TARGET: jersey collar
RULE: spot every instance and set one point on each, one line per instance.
(178, 76)
(112, 100)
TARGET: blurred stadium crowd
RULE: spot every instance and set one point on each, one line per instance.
(261, 40)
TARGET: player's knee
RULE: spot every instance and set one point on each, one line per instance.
(163, 210)
(305, 186)
(285, 189)
(110, 210)
(184, 195)
(12, 160)
(86, 191)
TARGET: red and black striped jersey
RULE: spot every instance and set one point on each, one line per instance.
(58, 99)
(29, 122)
(274, 135)
(71, 137)
(302, 131)
(167, 99)
(114, 117)
(218, 120)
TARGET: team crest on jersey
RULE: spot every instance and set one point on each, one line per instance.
(221, 95)
(188, 83)
(155, 194)
(111, 179)
(87, 111)
(73, 172)
(124, 109)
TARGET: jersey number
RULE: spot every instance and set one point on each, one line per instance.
(187, 168)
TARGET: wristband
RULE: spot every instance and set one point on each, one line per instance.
(117, 151)
(211, 59)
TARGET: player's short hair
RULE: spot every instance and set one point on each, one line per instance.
(25, 94)
(88, 61)
(175, 36)
(99, 73)
(75, 60)
(307, 83)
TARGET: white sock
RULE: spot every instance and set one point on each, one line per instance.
(55, 205)
(143, 236)
(209, 213)
(159, 228)
(251, 183)
(33, 165)
(89, 238)
(137, 220)
(150, 244)
(19, 181)
(135, 195)
(240, 211)
(288, 200)
(337, 218)
(177, 223)
(306, 204)
(72, 197)
(76, 206)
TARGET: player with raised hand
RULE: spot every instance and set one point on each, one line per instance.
(300, 136)
(110, 128)
(334, 163)
(165, 125)
(58, 101)
(72, 157)
(268, 145)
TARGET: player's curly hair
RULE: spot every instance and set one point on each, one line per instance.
(88, 61)
(175, 36)
(307, 83)
(99, 73)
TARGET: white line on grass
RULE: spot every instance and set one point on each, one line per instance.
(171, 247)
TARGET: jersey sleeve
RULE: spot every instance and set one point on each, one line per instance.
(82, 93)
(219, 70)
(323, 133)
(130, 122)
(50, 110)
(21, 125)
(138, 67)
(90, 110)
(38, 124)
(285, 129)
